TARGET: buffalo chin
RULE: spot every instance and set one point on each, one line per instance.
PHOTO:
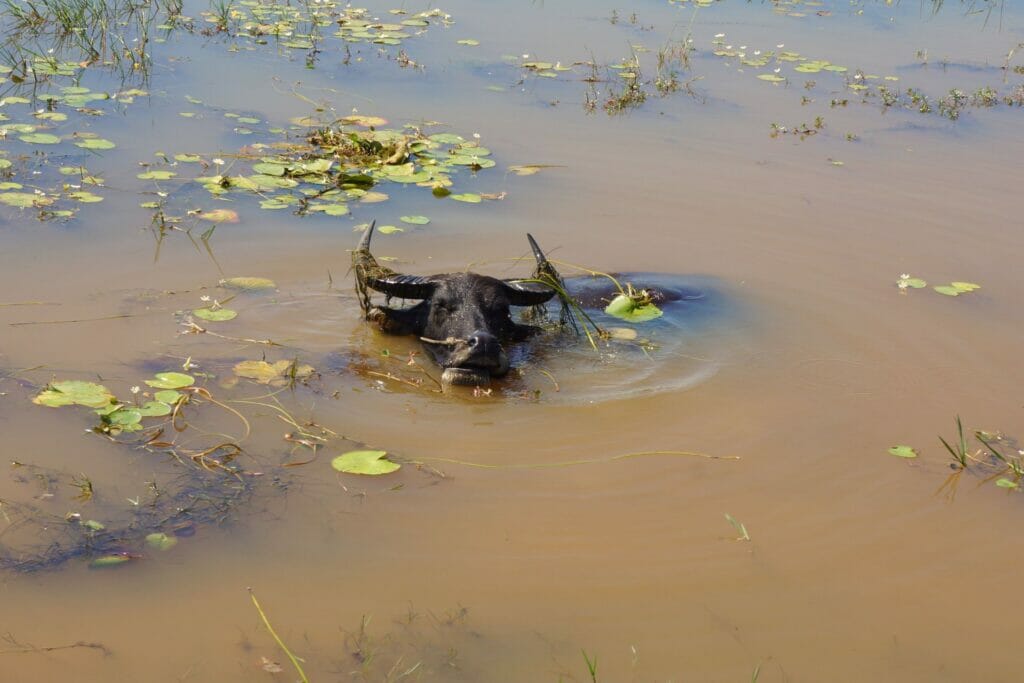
(466, 376)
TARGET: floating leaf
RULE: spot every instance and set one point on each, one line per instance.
(468, 41)
(219, 216)
(215, 315)
(1005, 483)
(161, 541)
(965, 286)
(74, 392)
(25, 199)
(626, 308)
(95, 143)
(248, 283)
(365, 121)
(469, 198)
(364, 462)
(272, 373)
(948, 290)
(903, 451)
(171, 380)
(167, 396)
(85, 197)
(771, 78)
(188, 158)
(93, 525)
(155, 409)
(39, 138)
(110, 561)
(415, 220)
(156, 175)
(125, 418)
(388, 229)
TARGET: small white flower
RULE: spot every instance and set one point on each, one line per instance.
(719, 35)
(903, 284)
(904, 276)
(757, 52)
(136, 389)
(476, 135)
(781, 45)
(526, 56)
(205, 297)
(218, 161)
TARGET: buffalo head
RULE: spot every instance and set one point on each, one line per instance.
(463, 319)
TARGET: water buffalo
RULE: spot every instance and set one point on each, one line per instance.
(463, 319)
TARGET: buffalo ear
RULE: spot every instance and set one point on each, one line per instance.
(403, 286)
(527, 293)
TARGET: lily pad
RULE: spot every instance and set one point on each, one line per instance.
(626, 308)
(251, 283)
(161, 541)
(156, 175)
(85, 197)
(965, 286)
(215, 315)
(771, 78)
(272, 373)
(171, 380)
(95, 143)
(74, 392)
(219, 216)
(415, 220)
(110, 561)
(364, 462)
(23, 200)
(167, 396)
(1005, 483)
(468, 197)
(39, 138)
(903, 451)
(155, 409)
(948, 290)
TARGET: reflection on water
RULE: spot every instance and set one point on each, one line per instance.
(534, 522)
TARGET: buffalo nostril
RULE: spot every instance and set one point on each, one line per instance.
(482, 340)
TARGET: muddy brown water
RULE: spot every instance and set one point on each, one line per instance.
(502, 567)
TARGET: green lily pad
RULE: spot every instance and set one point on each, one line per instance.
(771, 78)
(85, 197)
(171, 380)
(161, 541)
(1005, 483)
(903, 451)
(39, 138)
(156, 175)
(625, 308)
(110, 561)
(389, 229)
(364, 462)
(965, 286)
(215, 315)
(468, 197)
(74, 392)
(125, 418)
(167, 396)
(472, 42)
(94, 525)
(272, 373)
(250, 283)
(188, 158)
(95, 143)
(415, 220)
(155, 409)
(948, 290)
(8, 185)
(219, 216)
(24, 200)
